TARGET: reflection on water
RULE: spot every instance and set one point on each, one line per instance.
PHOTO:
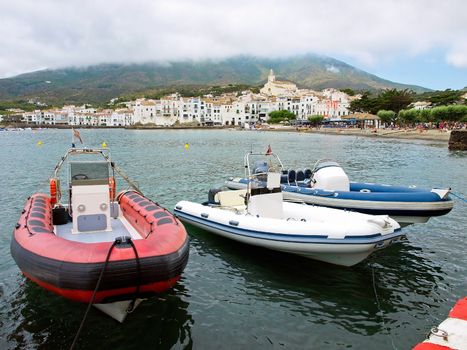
(232, 295)
(43, 320)
(304, 286)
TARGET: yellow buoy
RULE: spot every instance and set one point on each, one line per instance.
(104, 145)
(39, 143)
(187, 146)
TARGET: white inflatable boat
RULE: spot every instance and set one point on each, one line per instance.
(258, 216)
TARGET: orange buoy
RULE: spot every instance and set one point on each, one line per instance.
(54, 191)
(112, 188)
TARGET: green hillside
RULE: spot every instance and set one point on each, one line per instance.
(96, 84)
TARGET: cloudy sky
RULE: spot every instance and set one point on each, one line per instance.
(420, 42)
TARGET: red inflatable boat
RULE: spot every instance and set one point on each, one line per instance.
(451, 333)
(116, 248)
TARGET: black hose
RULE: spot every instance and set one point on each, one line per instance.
(117, 241)
(131, 307)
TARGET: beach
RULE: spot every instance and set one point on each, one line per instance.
(432, 135)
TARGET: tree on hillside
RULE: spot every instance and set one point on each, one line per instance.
(446, 97)
(390, 99)
(348, 91)
(279, 116)
(394, 100)
(366, 104)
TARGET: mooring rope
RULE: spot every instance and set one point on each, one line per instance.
(117, 241)
(458, 196)
(380, 311)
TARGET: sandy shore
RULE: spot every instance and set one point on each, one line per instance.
(433, 135)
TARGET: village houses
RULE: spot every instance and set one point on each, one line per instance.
(232, 109)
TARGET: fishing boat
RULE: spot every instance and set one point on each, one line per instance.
(99, 247)
(451, 333)
(327, 184)
(259, 216)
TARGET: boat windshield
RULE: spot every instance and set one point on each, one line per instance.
(87, 172)
(259, 164)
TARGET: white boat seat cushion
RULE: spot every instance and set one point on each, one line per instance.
(231, 198)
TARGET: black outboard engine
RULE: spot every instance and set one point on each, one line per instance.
(212, 195)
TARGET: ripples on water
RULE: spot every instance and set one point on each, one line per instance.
(232, 295)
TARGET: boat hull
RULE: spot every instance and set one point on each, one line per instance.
(346, 251)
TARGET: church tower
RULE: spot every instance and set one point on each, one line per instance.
(271, 77)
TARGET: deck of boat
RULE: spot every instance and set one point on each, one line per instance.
(120, 227)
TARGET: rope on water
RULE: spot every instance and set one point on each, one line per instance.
(380, 312)
(117, 241)
(459, 197)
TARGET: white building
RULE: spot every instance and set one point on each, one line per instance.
(275, 87)
(34, 117)
(144, 111)
(420, 105)
(121, 117)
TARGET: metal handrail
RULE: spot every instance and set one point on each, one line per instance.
(246, 161)
(105, 154)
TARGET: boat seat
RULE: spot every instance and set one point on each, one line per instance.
(307, 173)
(234, 198)
(300, 176)
(292, 177)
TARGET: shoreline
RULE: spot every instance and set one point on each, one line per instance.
(409, 134)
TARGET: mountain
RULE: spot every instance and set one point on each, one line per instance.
(102, 82)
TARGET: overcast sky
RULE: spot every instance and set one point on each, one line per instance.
(421, 42)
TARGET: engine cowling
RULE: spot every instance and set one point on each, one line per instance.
(329, 175)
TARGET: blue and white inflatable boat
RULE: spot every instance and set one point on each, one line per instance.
(260, 217)
(328, 185)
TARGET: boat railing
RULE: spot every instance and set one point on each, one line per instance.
(274, 158)
(105, 153)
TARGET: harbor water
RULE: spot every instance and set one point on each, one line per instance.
(232, 296)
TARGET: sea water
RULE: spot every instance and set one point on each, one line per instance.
(233, 296)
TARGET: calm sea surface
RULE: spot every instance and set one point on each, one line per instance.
(232, 296)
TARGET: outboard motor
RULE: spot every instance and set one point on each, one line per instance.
(329, 175)
(261, 168)
(212, 195)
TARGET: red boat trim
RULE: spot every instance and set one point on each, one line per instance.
(460, 310)
(108, 296)
(431, 346)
